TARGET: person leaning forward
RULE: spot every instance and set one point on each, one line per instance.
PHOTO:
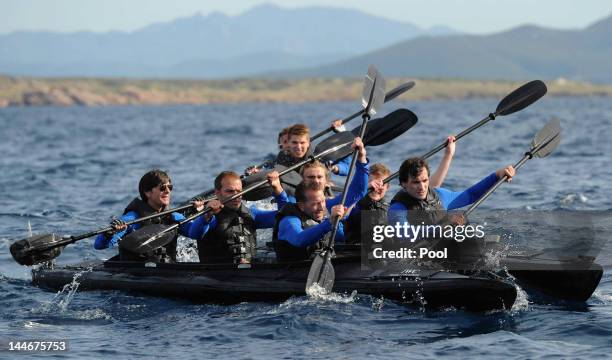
(300, 227)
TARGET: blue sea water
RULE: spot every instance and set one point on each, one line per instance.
(68, 170)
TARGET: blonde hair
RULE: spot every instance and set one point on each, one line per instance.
(380, 169)
(299, 130)
(315, 164)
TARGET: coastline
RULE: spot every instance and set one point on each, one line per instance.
(22, 91)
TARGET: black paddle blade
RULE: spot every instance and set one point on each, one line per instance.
(321, 275)
(399, 90)
(36, 249)
(381, 131)
(139, 242)
(547, 139)
(290, 180)
(521, 98)
(343, 138)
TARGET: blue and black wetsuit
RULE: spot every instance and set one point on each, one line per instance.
(296, 236)
(137, 209)
(231, 235)
(437, 199)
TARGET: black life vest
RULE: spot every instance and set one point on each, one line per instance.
(284, 250)
(143, 209)
(234, 238)
(284, 158)
(375, 213)
(429, 211)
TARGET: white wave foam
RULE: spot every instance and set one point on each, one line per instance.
(573, 198)
(602, 297)
(522, 300)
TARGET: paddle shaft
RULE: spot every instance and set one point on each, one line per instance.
(336, 221)
(392, 94)
(528, 155)
(494, 187)
(248, 189)
(75, 238)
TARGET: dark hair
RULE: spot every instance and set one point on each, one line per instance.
(150, 180)
(300, 190)
(282, 133)
(412, 168)
(222, 176)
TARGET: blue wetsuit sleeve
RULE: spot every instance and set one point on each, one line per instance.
(103, 242)
(357, 189)
(199, 227)
(290, 230)
(184, 229)
(282, 199)
(343, 165)
(264, 219)
(291, 199)
(356, 211)
(456, 199)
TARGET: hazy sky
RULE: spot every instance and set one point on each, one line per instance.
(475, 16)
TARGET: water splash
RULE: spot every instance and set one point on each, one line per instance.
(61, 300)
(522, 300)
(186, 250)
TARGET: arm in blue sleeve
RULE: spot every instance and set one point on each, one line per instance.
(454, 200)
(343, 165)
(199, 227)
(357, 189)
(281, 200)
(340, 233)
(184, 229)
(290, 230)
(103, 242)
(264, 219)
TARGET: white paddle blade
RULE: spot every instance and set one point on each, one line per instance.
(373, 91)
(547, 139)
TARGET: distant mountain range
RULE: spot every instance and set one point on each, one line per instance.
(522, 53)
(277, 42)
(265, 38)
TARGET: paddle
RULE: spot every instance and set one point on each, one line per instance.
(321, 270)
(513, 102)
(143, 240)
(378, 132)
(383, 130)
(45, 247)
(544, 143)
(392, 94)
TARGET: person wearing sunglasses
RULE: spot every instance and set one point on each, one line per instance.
(155, 188)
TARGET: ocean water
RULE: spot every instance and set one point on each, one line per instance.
(68, 170)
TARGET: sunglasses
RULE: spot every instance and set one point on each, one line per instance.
(166, 187)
